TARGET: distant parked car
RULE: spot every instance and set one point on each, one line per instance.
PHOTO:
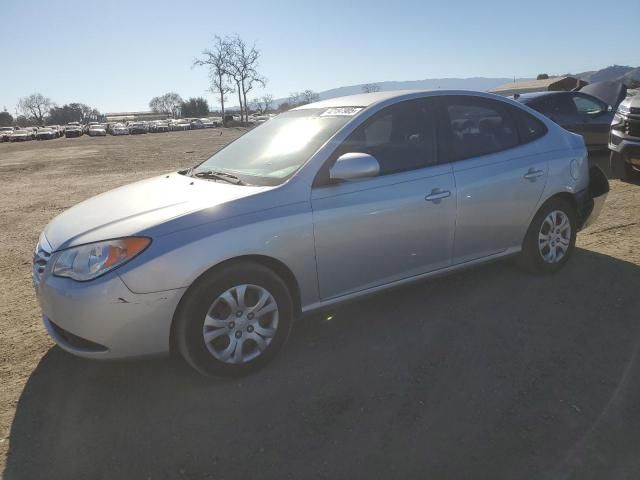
(21, 135)
(46, 133)
(5, 133)
(137, 128)
(258, 119)
(575, 111)
(161, 126)
(57, 130)
(119, 129)
(198, 123)
(97, 130)
(33, 131)
(180, 125)
(73, 129)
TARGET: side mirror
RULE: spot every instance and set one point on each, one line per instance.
(352, 166)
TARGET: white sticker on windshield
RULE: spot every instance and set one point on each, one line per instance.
(341, 111)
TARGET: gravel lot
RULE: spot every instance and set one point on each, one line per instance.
(490, 373)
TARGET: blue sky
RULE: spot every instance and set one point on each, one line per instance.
(116, 54)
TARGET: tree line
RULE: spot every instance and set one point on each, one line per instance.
(37, 110)
(172, 104)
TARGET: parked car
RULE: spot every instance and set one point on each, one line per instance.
(137, 128)
(624, 139)
(46, 133)
(57, 130)
(322, 204)
(119, 129)
(73, 129)
(198, 123)
(22, 135)
(577, 112)
(33, 131)
(97, 130)
(5, 133)
(180, 125)
(162, 126)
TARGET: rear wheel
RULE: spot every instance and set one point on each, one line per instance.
(234, 320)
(551, 237)
(620, 169)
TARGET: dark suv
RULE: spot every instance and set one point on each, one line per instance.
(624, 139)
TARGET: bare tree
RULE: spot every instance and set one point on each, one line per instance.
(243, 70)
(168, 103)
(302, 98)
(264, 103)
(309, 96)
(218, 60)
(295, 99)
(36, 106)
(370, 88)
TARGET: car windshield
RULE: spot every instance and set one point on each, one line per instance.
(272, 152)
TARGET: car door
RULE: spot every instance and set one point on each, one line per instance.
(595, 119)
(499, 176)
(374, 231)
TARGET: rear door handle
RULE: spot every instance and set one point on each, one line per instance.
(437, 195)
(532, 174)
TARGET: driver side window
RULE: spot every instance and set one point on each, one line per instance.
(401, 137)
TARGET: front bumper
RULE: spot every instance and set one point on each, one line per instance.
(103, 319)
(627, 146)
(591, 201)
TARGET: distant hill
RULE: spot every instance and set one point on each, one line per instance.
(614, 72)
(629, 75)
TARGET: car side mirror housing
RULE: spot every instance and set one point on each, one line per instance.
(352, 166)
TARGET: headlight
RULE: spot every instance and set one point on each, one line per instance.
(622, 108)
(618, 121)
(87, 262)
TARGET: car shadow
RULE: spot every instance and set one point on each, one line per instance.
(490, 373)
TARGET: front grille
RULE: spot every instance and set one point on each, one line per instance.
(634, 110)
(632, 128)
(40, 260)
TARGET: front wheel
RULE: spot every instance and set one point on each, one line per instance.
(233, 320)
(551, 237)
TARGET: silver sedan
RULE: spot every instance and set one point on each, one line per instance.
(325, 203)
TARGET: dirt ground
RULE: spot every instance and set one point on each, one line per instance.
(505, 375)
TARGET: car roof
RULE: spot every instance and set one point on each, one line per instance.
(525, 97)
(369, 99)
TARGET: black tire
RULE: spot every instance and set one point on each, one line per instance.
(620, 168)
(531, 258)
(194, 306)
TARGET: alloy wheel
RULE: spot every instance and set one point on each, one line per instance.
(554, 237)
(240, 324)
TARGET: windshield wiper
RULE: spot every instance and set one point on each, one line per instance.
(227, 177)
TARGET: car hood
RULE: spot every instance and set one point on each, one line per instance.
(611, 92)
(134, 208)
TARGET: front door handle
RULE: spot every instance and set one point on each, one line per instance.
(533, 174)
(437, 195)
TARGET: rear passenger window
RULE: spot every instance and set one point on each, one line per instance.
(479, 127)
(530, 127)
